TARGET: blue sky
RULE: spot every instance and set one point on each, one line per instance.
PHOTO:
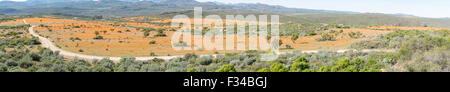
(423, 8)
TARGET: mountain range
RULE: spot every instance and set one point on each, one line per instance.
(128, 8)
(125, 8)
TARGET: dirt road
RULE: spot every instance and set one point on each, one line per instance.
(47, 43)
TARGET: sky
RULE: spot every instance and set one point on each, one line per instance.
(423, 8)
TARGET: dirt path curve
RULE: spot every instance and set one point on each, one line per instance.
(47, 43)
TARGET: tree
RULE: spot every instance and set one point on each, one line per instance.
(227, 68)
(192, 70)
(97, 33)
(278, 67)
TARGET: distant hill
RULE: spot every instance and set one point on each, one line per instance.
(129, 8)
(369, 19)
(124, 8)
(373, 19)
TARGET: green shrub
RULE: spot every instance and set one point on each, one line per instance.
(278, 67)
(3, 67)
(227, 68)
(355, 35)
(146, 33)
(153, 54)
(204, 60)
(192, 70)
(326, 37)
(160, 35)
(152, 42)
(98, 38)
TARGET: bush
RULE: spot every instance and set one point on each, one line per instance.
(160, 35)
(312, 33)
(153, 54)
(299, 67)
(98, 38)
(152, 42)
(192, 70)
(97, 33)
(146, 33)
(204, 60)
(355, 35)
(263, 70)
(288, 46)
(278, 67)
(189, 56)
(25, 63)
(355, 65)
(3, 67)
(80, 50)
(227, 68)
(82, 68)
(326, 37)
(151, 68)
(11, 63)
(294, 37)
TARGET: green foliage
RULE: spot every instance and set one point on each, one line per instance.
(294, 37)
(288, 46)
(97, 33)
(278, 67)
(355, 65)
(300, 65)
(152, 42)
(263, 70)
(204, 60)
(301, 59)
(421, 52)
(146, 33)
(153, 54)
(19, 41)
(192, 70)
(326, 37)
(3, 67)
(15, 27)
(355, 35)
(160, 35)
(98, 38)
(227, 68)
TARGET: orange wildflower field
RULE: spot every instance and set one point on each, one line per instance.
(127, 39)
